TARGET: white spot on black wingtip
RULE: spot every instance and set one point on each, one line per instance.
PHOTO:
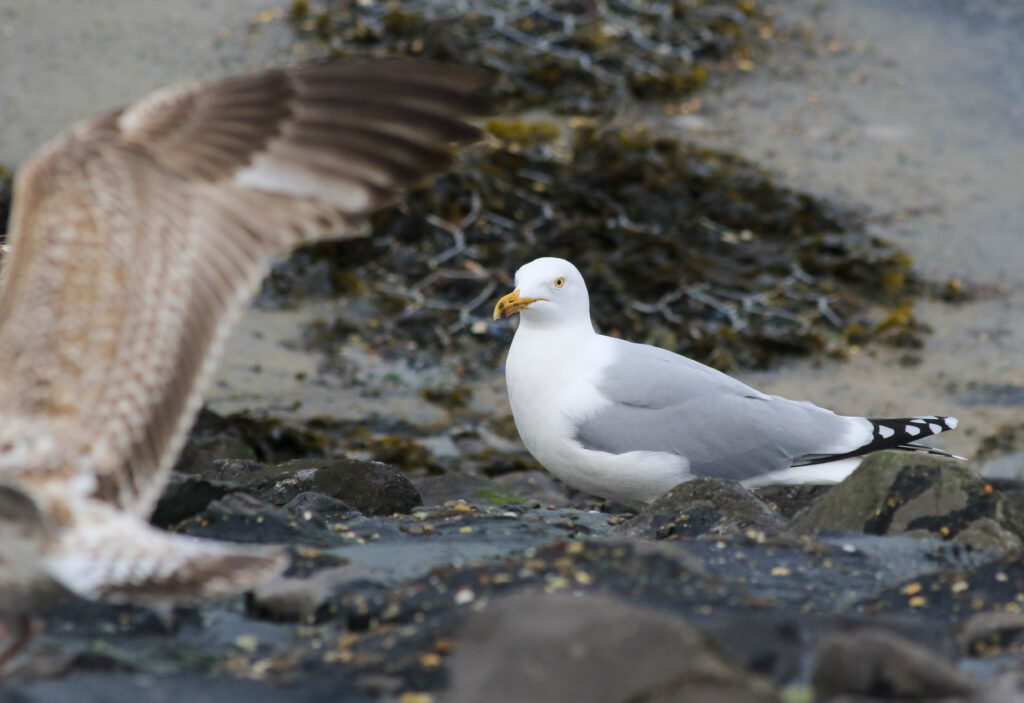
(885, 432)
(951, 423)
(912, 430)
(935, 428)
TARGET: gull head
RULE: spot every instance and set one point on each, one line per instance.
(549, 291)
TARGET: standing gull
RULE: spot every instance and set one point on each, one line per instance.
(630, 421)
(135, 239)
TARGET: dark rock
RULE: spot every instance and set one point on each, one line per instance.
(987, 634)
(240, 517)
(212, 437)
(438, 490)
(895, 493)
(194, 688)
(780, 646)
(370, 487)
(703, 506)
(533, 485)
(299, 599)
(323, 507)
(879, 664)
(554, 648)
(788, 500)
(236, 471)
(186, 495)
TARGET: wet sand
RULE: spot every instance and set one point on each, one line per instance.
(916, 111)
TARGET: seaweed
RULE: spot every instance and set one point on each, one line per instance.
(569, 56)
(682, 246)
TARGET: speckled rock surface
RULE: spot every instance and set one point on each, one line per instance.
(894, 493)
(704, 506)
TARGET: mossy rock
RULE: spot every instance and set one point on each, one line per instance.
(895, 493)
(703, 506)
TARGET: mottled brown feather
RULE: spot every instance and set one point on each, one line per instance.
(136, 239)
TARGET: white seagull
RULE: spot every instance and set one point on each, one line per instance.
(134, 241)
(630, 421)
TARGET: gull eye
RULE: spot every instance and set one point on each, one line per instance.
(559, 282)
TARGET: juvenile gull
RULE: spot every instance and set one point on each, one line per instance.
(630, 421)
(134, 241)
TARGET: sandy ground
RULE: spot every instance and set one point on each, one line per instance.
(62, 60)
(913, 109)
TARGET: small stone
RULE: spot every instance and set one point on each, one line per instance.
(247, 643)
(464, 596)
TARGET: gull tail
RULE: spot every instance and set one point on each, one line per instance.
(125, 560)
(900, 433)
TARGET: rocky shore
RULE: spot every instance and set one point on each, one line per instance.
(902, 583)
(432, 561)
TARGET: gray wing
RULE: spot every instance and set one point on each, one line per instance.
(665, 402)
(137, 237)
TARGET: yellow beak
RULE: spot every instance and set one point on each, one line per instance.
(511, 304)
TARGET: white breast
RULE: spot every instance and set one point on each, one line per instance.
(551, 390)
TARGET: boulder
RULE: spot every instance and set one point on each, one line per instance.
(895, 493)
(552, 648)
(370, 487)
(703, 506)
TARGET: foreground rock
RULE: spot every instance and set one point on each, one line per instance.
(554, 648)
(896, 493)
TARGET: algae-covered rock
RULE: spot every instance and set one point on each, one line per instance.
(370, 487)
(703, 506)
(895, 493)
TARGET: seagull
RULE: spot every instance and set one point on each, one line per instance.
(135, 239)
(629, 421)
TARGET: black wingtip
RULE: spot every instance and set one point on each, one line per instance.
(901, 434)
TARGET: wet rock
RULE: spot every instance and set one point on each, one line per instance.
(703, 506)
(186, 495)
(781, 646)
(192, 687)
(235, 471)
(438, 490)
(545, 648)
(299, 599)
(988, 634)
(788, 500)
(323, 507)
(370, 487)
(896, 493)
(877, 664)
(533, 485)
(240, 517)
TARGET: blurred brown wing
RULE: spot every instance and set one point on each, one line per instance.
(136, 239)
